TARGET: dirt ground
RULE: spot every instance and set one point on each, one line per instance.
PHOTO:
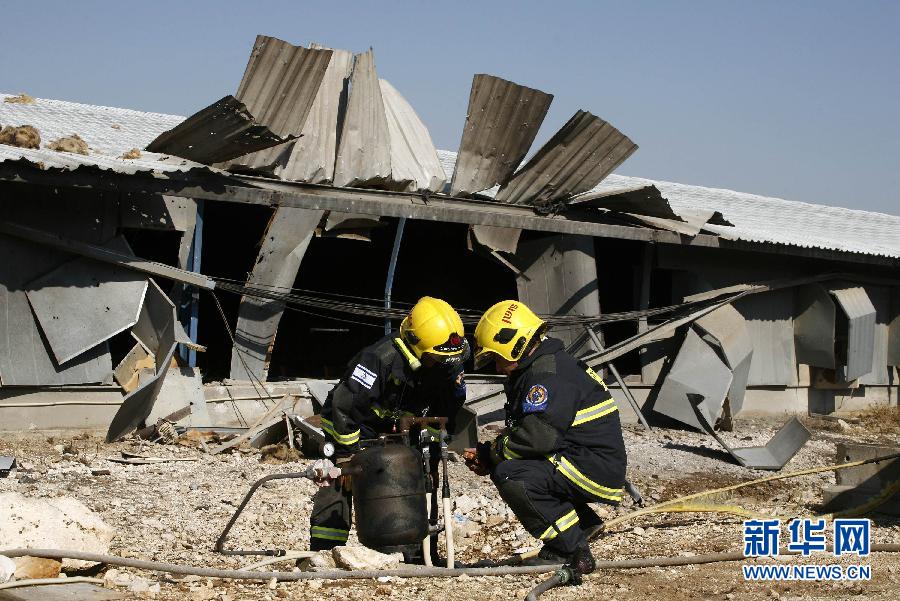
(173, 512)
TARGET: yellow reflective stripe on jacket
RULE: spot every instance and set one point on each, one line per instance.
(507, 452)
(329, 533)
(595, 376)
(567, 469)
(560, 525)
(594, 412)
(344, 439)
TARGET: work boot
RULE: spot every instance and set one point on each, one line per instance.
(581, 562)
(546, 557)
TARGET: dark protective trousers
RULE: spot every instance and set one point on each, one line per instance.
(548, 505)
(332, 512)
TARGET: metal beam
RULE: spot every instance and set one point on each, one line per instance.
(105, 255)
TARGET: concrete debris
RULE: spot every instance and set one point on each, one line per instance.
(72, 143)
(323, 560)
(25, 136)
(37, 567)
(859, 485)
(61, 523)
(362, 558)
(22, 98)
(465, 504)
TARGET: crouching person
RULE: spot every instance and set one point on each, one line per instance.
(562, 447)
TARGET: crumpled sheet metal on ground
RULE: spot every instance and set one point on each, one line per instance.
(728, 330)
(364, 154)
(501, 124)
(860, 312)
(83, 303)
(414, 163)
(26, 359)
(222, 131)
(280, 83)
(578, 157)
(697, 371)
(157, 330)
(789, 439)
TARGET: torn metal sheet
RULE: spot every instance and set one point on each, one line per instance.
(414, 162)
(26, 358)
(726, 329)
(775, 454)
(502, 122)
(156, 312)
(312, 157)
(182, 387)
(350, 226)
(364, 153)
(222, 131)
(583, 152)
(697, 371)
(105, 255)
(814, 326)
(137, 405)
(157, 212)
(505, 239)
(881, 300)
(318, 390)
(128, 370)
(559, 277)
(640, 200)
(281, 82)
(7, 464)
(893, 354)
(283, 246)
(83, 303)
(858, 339)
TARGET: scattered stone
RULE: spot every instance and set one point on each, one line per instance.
(639, 531)
(134, 153)
(59, 523)
(100, 472)
(383, 590)
(22, 98)
(73, 144)
(465, 504)
(25, 136)
(362, 558)
(37, 567)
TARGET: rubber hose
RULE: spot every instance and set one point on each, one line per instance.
(660, 562)
(173, 568)
(426, 543)
(448, 534)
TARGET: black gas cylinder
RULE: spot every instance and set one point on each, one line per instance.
(389, 496)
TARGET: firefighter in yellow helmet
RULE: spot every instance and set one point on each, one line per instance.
(562, 447)
(415, 371)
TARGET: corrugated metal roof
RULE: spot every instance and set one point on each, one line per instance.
(756, 218)
(502, 122)
(413, 155)
(280, 83)
(222, 131)
(583, 152)
(364, 153)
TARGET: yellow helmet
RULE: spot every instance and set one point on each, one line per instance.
(433, 327)
(506, 329)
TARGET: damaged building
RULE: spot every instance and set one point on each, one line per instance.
(218, 269)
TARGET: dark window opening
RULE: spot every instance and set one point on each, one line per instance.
(619, 264)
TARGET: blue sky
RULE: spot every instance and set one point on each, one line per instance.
(796, 99)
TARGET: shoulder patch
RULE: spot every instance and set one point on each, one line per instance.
(363, 375)
(535, 399)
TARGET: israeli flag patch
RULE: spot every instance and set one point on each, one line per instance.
(535, 400)
(364, 376)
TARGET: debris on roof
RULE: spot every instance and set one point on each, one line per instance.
(73, 144)
(222, 131)
(25, 136)
(502, 122)
(19, 99)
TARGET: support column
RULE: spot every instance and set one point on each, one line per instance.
(280, 253)
(559, 276)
